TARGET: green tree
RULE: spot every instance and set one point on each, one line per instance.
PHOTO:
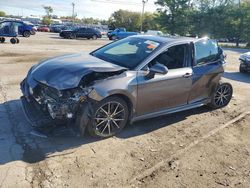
(128, 19)
(2, 14)
(173, 15)
(48, 10)
(46, 20)
(149, 22)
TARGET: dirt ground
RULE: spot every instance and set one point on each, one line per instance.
(196, 148)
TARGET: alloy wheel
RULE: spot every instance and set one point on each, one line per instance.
(109, 118)
(223, 95)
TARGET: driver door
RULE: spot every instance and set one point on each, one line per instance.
(165, 91)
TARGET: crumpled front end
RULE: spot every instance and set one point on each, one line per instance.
(43, 104)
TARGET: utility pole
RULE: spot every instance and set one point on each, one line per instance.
(142, 13)
(73, 11)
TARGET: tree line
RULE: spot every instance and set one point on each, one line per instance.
(220, 19)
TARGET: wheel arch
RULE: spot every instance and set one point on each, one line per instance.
(128, 102)
(127, 97)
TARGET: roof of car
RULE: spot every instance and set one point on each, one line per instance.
(170, 39)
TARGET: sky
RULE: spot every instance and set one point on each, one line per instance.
(101, 9)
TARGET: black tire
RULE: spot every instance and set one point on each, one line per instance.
(113, 37)
(242, 70)
(72, 36)
(13, 41)
(2, 39)
(221, 96)
(17, 41)
(104, 124)
(94, 37)
(32, 32)
(26, 34)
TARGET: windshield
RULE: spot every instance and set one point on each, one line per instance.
(129, 52)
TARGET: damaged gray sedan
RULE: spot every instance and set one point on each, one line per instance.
(132, 79)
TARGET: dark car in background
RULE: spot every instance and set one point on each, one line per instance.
(125, 81)
(58, 28)
(81, 32)
(245, 62)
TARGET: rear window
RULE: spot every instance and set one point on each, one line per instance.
(206, 51)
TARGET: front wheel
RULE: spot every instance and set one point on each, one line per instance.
(222, 95)
(2, 39)
(26, 34)
(113, 37)
(72, 36)
(242, 70)
(109, 117)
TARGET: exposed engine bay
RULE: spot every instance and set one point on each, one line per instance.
(64, 104)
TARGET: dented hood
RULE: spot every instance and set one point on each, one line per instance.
(66, 72)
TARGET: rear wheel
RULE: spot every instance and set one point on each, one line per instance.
(109, 117)
(113, 37)
(222, 95)
(242, 70)
(26, 34)
(72, 36)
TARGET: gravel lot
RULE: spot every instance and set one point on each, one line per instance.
(196, 148)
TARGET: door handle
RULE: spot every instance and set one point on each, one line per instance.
(187, 75)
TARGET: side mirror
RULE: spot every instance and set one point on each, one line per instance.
(157, 68)
(221, 53)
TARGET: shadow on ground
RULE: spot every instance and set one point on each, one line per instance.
(237, 76)
(18, 143)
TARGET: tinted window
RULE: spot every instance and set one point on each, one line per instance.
(89, 30)
(175, 57)
(206, 51)
(129, 52)
(82, 30)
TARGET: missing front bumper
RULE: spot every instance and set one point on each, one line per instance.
(34, 114)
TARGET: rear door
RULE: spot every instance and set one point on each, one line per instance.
(207, 70)
(81, 32)
(89, 33)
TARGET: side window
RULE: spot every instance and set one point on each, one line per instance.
(175, 57)
(89, 30)
(82, 30)
(206, 51)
